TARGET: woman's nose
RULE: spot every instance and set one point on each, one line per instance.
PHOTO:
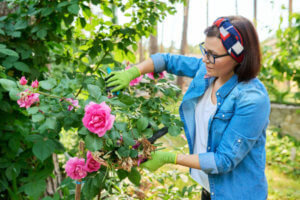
(205, 59)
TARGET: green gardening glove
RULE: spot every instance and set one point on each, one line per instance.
(121, 79)
(159, 158)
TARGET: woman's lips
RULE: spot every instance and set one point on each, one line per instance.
(208, 67)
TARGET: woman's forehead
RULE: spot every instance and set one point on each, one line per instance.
(214, 44)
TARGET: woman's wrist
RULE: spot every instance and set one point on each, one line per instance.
(146, 66)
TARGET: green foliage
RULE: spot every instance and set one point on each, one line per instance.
(67, 47)
(281, 63)
(283, 153)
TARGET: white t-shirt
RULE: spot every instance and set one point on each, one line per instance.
(204, 109)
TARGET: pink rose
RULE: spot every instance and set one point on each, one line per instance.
(35, 84)
(97, 118)
(161, 75)
(23, 80)
(75, 168)
(136, 80)
(27, 98)
(91, 164)
(74, 102)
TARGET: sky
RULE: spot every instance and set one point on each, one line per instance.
(268, 18)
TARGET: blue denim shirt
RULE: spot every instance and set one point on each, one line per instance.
(235, 157)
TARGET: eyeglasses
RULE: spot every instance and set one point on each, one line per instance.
(210, 57)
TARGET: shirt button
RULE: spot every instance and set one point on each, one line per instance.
(239, 140)
(212, 193)
(223, 115)
(219, 103)
(208, 147)
(218, 93)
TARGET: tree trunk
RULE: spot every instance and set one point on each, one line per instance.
(141, 54)
(207, 6)
(54, 183)
(153, 47)
(290, 10)
(183, 49)
(255, 13)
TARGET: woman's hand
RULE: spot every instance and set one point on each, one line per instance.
(159, 158)
(121, 79)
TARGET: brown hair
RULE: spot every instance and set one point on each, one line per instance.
(250, 66)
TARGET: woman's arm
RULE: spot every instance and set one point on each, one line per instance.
(146, 66)
(191, 161)
(177, 64)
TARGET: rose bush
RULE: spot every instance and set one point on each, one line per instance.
(45, 42)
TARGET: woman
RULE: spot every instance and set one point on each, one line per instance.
(225, 111)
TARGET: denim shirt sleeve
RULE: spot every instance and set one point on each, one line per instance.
(245, 127)
(176, 64)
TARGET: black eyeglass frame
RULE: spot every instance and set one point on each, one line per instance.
(204, 52)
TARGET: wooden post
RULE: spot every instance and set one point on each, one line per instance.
(78, 182)
(255, 13)
(290, 11)
(184, 44)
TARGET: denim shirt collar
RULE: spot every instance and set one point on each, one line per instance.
(227, 87)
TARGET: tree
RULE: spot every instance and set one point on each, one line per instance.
(184, 46)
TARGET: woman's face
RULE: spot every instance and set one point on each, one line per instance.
(224, 66)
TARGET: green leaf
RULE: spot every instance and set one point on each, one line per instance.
(82, 22)
(121, 126)
(16, 34)
(42, 149)
(83, 131)
(122, 174)
(90, 190)
(12, 172)
(142, 123)
(46, 11)
(21, 66)
(148, 133)
(134, 176)
(13, 94)
(114, 135)
(74, 8)
(50, 123)
(8, 84)
(119, 55)
(94, 91)
(62, 4)
(128, 140)
(174, 130)
(93, 142)
(41, 33)
(35, 189)
(21, 24)
(126, 99)
(34, 138)
(47, 84)
(32, 110)
(107, 11)
(9, 52)
(38, 117)
(130, 56)
(123, 151)
(133, 153)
